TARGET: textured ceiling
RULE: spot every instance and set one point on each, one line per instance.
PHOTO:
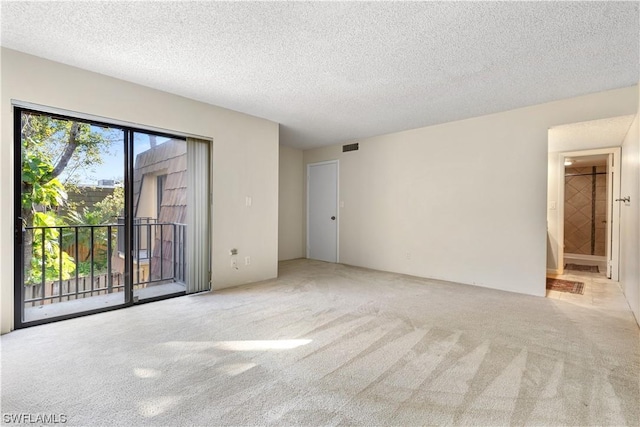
(608, 132)
(334, 72)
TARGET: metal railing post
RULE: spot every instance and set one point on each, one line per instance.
(184, 257)
(92, 258)
(109, 250)
(77, 260)
(136, 228)
(60, 264)
(149, 248)
(44, 267)
(173, 259)
(161, 252)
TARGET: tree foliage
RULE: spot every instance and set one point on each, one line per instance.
(101, 214)
(105, 211)
(50, 148)
(57, 264)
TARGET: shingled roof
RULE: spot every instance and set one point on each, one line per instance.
(168, 158)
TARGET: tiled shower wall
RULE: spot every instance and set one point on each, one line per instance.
(585, 210)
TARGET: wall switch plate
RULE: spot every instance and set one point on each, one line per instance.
(248, 201)
(247, 260)
(552, 205)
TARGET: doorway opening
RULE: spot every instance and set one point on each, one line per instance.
(589, 230)
(585, 214)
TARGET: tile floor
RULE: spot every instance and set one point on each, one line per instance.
(599, 292)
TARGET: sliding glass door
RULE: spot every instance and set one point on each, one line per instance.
(70, 177)
(159, 215)
(101, 217)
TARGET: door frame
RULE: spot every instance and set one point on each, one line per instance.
(338, 215)
(17, 109)
(18, 273)
(613, 207)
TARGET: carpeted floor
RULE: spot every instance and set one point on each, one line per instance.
(328, 344)
(565, 286)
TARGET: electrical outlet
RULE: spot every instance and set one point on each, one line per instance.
(408, 255)
(234, 263)
(247, 260)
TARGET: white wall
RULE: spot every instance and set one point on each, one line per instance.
(553, 218)
(462, 201)
(630, 218)
(245, 159)
(290, 204)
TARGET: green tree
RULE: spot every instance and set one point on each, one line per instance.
(39, 195)
(51, 146)
(57, 264)
(102, 213)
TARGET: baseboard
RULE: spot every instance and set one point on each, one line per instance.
(598, 258)
(554, 271)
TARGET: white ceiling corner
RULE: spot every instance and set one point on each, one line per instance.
(332, 72)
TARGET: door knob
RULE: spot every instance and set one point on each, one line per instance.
(333, 218)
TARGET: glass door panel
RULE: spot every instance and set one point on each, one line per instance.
(159, 184)
(71, 198)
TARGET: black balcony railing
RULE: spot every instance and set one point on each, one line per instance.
(97, 252)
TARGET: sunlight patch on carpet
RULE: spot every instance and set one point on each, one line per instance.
(155, 406)
(234, 369)
(146, 372)
(260, 345)
(245, 345)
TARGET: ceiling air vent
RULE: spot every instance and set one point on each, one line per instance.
(350, 147)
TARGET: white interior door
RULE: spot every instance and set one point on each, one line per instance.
(322, 211)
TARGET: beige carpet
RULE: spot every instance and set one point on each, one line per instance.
(332, 345)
